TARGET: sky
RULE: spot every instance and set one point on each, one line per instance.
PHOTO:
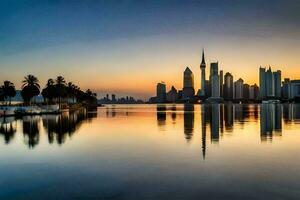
(127, 46)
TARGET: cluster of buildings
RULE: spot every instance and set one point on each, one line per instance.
(219, 87)
(121, 100)
(272, 87)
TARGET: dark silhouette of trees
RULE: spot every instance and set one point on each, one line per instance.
(90, 98)
(8, 91)
(30, 88)
(7, 129)
(1, 94)
(71, 91)
(60, 89)
(48, 92)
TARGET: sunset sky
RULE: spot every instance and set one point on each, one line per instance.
(126, 47)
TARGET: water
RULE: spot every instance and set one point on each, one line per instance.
(227, 151)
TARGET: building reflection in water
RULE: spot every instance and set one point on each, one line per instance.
(8, 128)
(270, 120)
(291, 113)
(111, 111)
(173, 113)
(204, 120)
(161, 114)
(188, 121)
(221, 118)
(215, 122)
(221, 106)
(228, 117)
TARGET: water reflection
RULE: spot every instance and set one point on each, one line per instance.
(57, 127)
(270, 121)
(215, 121)
(291, 113)
(188, 121)
(161, 115)
(173, 113)
(60, 126)
(221, 118)
(31, 130)
(228, 117)
(8, 128)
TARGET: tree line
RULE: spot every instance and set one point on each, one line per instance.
(54, 91)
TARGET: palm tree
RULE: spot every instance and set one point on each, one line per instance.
(49, 91)
(60, 88)
(71, 91)
(9, 90)
(1, 94)
(30, 88)
(90, 98)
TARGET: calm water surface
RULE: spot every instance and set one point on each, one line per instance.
(227, 151)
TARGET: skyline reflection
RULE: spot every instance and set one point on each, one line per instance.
(215, 145)
(222, 118)
(216, 121)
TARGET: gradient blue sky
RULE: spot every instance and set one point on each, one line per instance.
(125, 47)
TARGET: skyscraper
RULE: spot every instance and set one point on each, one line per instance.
(214, 79)
(246, 91)
(277, 83)
(262, 82)
(286, 88)
(253, 92)
(161, 92)
(113, 98)
(228, 86)
(269, 83)
(295, 89)
(188, 84)
(172, 95)
(238, 89)
(203, 78)
(221, 83)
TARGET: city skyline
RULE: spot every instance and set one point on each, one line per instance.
(222, 86)
(114, 46)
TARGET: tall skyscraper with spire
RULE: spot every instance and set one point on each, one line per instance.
(202, 68)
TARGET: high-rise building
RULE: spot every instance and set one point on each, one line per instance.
(113, 98)
(228, 87)
(295, 89)
(172, 95)
(286, 89)
(262, 82)
(188, 90)
(238, 89)
(246, 90)
(221, 83)
(277, 83)
(207, 88)
(269, 83)
(253, 92)
(160, 92)
(203, 78)
(214, 79)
